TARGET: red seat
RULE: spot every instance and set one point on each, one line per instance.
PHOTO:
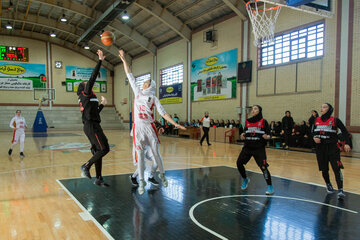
(230, 134)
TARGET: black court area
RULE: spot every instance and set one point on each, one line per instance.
(207, 203)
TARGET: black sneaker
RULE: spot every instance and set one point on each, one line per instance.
(341, 194)
(329, 188)
(209, 144)
(153, 181)
(22, 155)
(85, 172)
(10, 151)
(100, 182)
(133, 181)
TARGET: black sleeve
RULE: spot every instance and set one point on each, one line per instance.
(91, 82)
(283, 123)
(266, 126)
(101, 106)
(344, 131)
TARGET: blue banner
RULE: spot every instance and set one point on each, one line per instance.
(170, 94)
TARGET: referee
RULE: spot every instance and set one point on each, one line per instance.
(206, 127)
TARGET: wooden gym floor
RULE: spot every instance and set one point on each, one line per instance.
(34, 205)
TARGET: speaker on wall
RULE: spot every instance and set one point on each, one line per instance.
(209, 36)
(244, 72)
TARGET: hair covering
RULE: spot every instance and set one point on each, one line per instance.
(328, 114)
(81, 88)
(257, 117)
(151, 90)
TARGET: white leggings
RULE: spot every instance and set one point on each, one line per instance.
(19, 137)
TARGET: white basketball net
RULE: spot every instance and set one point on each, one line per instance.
(263, 21)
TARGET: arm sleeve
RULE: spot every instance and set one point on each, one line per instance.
(344, 131)
(160, 109)
(12, 122)
(91, 82)
(101, 106)
(266, 126)
(202, 119)
(133, 85)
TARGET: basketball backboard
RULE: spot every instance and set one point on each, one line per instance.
(323, 8)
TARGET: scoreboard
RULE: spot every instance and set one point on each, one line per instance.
(18, 54)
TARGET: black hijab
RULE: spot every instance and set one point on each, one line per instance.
(328, 114)
(81, 88)
(258, 117)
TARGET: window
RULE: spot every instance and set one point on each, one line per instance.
(139, 80)
(304, 43)
(172, 75)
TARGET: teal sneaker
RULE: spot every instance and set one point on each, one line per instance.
(245, 183)
(270, 190)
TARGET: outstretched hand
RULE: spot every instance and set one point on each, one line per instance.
(100, 54)
(181, 127)
(122, 54)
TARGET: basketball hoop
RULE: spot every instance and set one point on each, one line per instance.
(263, 21)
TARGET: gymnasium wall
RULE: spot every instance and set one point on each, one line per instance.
(38, 55)
(355, 86)
(298, 87)
(167, 56)
(229, 36)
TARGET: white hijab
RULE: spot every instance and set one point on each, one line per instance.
(150, 90)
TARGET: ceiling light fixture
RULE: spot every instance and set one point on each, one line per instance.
(8, 26)
(86, 47)
(125, 16)
(63, 18)
(52, 34)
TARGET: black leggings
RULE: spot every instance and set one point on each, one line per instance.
(329, 153)
(206, 135)
(99, 145)
(260, 158)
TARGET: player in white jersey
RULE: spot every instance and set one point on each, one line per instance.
(18, 123)
(144, 131)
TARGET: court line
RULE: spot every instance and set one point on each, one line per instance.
(191, 211)
(311, 183)
(101, 228)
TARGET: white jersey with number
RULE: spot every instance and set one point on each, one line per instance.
(18, 124)
(144, 103)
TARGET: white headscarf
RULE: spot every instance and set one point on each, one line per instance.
(150, 90)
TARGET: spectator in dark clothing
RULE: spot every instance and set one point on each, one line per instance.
(232, 123)
(272, 128)
(217, 123)
(304, 135)
(222, 123)
(314, 115)
(212, 123)
(277, 129)
(287, 128)
(239, 126)
(227, 124)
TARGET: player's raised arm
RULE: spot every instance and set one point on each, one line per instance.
(95, 73)
(129, 75)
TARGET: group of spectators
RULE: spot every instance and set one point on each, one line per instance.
(292, 134)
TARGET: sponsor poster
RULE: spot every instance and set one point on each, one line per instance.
(214, 77)
(21, 76)
(170, 94)
(75, 75)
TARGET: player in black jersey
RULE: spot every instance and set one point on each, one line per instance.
(326, 139)
(90, 109)
(256, 132)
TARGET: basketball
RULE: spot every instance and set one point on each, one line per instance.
(107, 38)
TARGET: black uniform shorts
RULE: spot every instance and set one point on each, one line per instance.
(259, 155)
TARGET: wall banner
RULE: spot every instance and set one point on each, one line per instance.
(75, 75)
(214, 77)
(170, 94)
(21, 76)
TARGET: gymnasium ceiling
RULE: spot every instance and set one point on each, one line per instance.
(152, 23)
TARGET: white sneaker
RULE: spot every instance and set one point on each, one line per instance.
(141, 188)
(163, 179)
